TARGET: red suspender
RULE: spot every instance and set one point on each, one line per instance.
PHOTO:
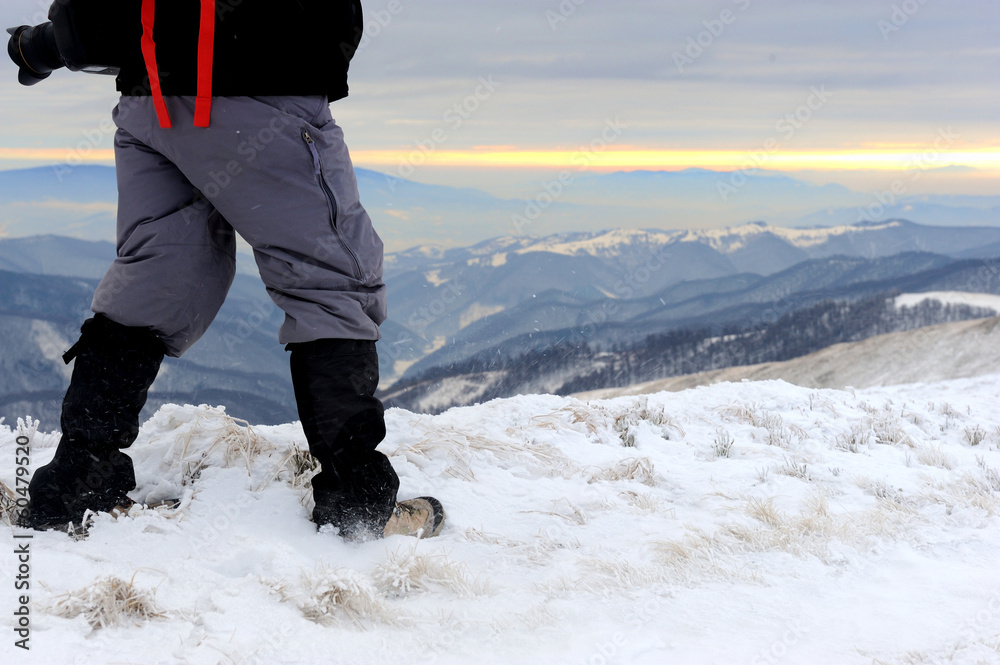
(149, 56)
(206, 46)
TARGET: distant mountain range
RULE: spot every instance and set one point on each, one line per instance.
(509, 296)
(572, 363)
(80, 201)
(624, 284)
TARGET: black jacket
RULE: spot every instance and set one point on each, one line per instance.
(262, 47)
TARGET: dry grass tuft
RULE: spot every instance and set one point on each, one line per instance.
(461, 448)
(723, 444)
(854, 440)
(637, 468)
(741, 413)
(935, 456)
(298, 467)
(621, 575)
(234, 441)
(991, 476)
(406, 572)
(778, 433)
(28, 427)
(626, 420)
(644, 502)
(109, 601)
(8, 505)
(794, 470)
(729, 552)
(537, 552)
(971, 491)
(888, 429)
(975, 435)
(765, 511)
(333, 597)
(879, 489)
(476, 536)
(702, 557)
(578, 414)
(573, 515)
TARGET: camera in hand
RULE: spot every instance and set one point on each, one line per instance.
(40, 49)
(34, 51)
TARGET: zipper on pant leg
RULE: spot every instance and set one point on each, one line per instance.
(331, 200)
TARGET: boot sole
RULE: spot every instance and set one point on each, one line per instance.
(438, 514)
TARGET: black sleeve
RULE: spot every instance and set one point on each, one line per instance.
(96, 32)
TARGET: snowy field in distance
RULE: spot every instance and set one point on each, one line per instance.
(958, 350)
(981, 300)
(754, 522)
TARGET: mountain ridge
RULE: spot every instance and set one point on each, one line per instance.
(911, 357)
(409, 213)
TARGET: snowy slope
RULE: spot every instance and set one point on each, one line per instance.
(739, 523)
(935, 353)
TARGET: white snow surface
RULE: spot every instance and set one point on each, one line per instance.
(751, 522)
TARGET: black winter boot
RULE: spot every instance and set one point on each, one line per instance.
(115, 365)
(335, 382)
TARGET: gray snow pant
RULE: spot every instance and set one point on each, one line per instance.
(275, 170)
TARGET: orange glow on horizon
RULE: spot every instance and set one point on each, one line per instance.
(893, 159)
(398, 162)
(58, 155)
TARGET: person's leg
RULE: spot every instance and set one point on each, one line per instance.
(114, 367)
(176, 252)
(335, 383)
(175, 264)
(279, 171)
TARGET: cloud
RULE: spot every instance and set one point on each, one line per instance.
(752, 62)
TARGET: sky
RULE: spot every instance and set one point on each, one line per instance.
(495, 95)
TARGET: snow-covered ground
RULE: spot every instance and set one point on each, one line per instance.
(752, 522)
